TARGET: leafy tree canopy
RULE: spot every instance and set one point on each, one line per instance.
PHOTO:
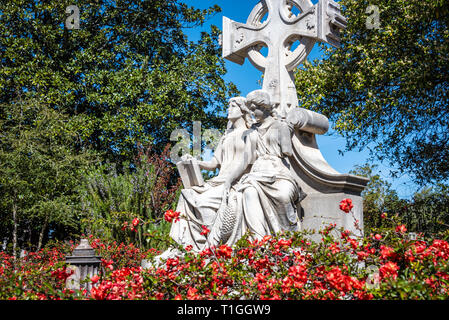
(388, 87)
(378, 197)
(426, 212)
(129, 70)
(39, 172)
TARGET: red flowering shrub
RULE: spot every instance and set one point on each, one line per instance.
(37, 276)
(118, 255)
(384, 265)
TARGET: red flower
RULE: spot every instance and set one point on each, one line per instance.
(192, 294)
(171, 215)
(345, 234)
(377, 237)
(224, 251)
(354, 243)
(135, 222)
(95, 278)
(285, 243)
(346, 205)
(206, 252)
(298, 274)
(98, 293)
(287, 284)
(387, 253)
(361, 255)
(266, 238)
(401, 229)
(159, 296)
(334, 248)
(205, 231)
(389, 269)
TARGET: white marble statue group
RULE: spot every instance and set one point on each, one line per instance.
(256, 190)
(272, 175)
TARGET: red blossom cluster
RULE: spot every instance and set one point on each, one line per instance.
(125, 283)
(389, 269)
(346, 205)
(171, 216)
(36, 275)
(285, 266)
(117, 255)
(204, 231)
(132, 226)
(401, 229)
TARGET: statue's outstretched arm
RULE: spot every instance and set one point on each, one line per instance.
(209, 165)
(285, 137)
(215, 162)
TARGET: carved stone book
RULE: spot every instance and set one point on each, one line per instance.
(190, 173)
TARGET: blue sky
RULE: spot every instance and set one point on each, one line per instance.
(246, 77)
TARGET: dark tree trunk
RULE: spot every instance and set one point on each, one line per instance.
(14, 232)
(41, 234)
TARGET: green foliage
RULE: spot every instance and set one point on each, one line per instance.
(129, 71)
(157, 235)
(128, 75)
(426, 212)
(111, 199)
(388, 87)
(378, 197)
(40, 167)
(342, 266)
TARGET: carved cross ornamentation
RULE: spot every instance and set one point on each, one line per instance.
(320, 22)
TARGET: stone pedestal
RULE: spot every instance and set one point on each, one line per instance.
(325, 188)
(85, 264)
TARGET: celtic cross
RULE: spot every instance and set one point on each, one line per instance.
(321, 22)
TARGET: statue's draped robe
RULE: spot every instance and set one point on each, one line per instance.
(199, 205)
(270, 182)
